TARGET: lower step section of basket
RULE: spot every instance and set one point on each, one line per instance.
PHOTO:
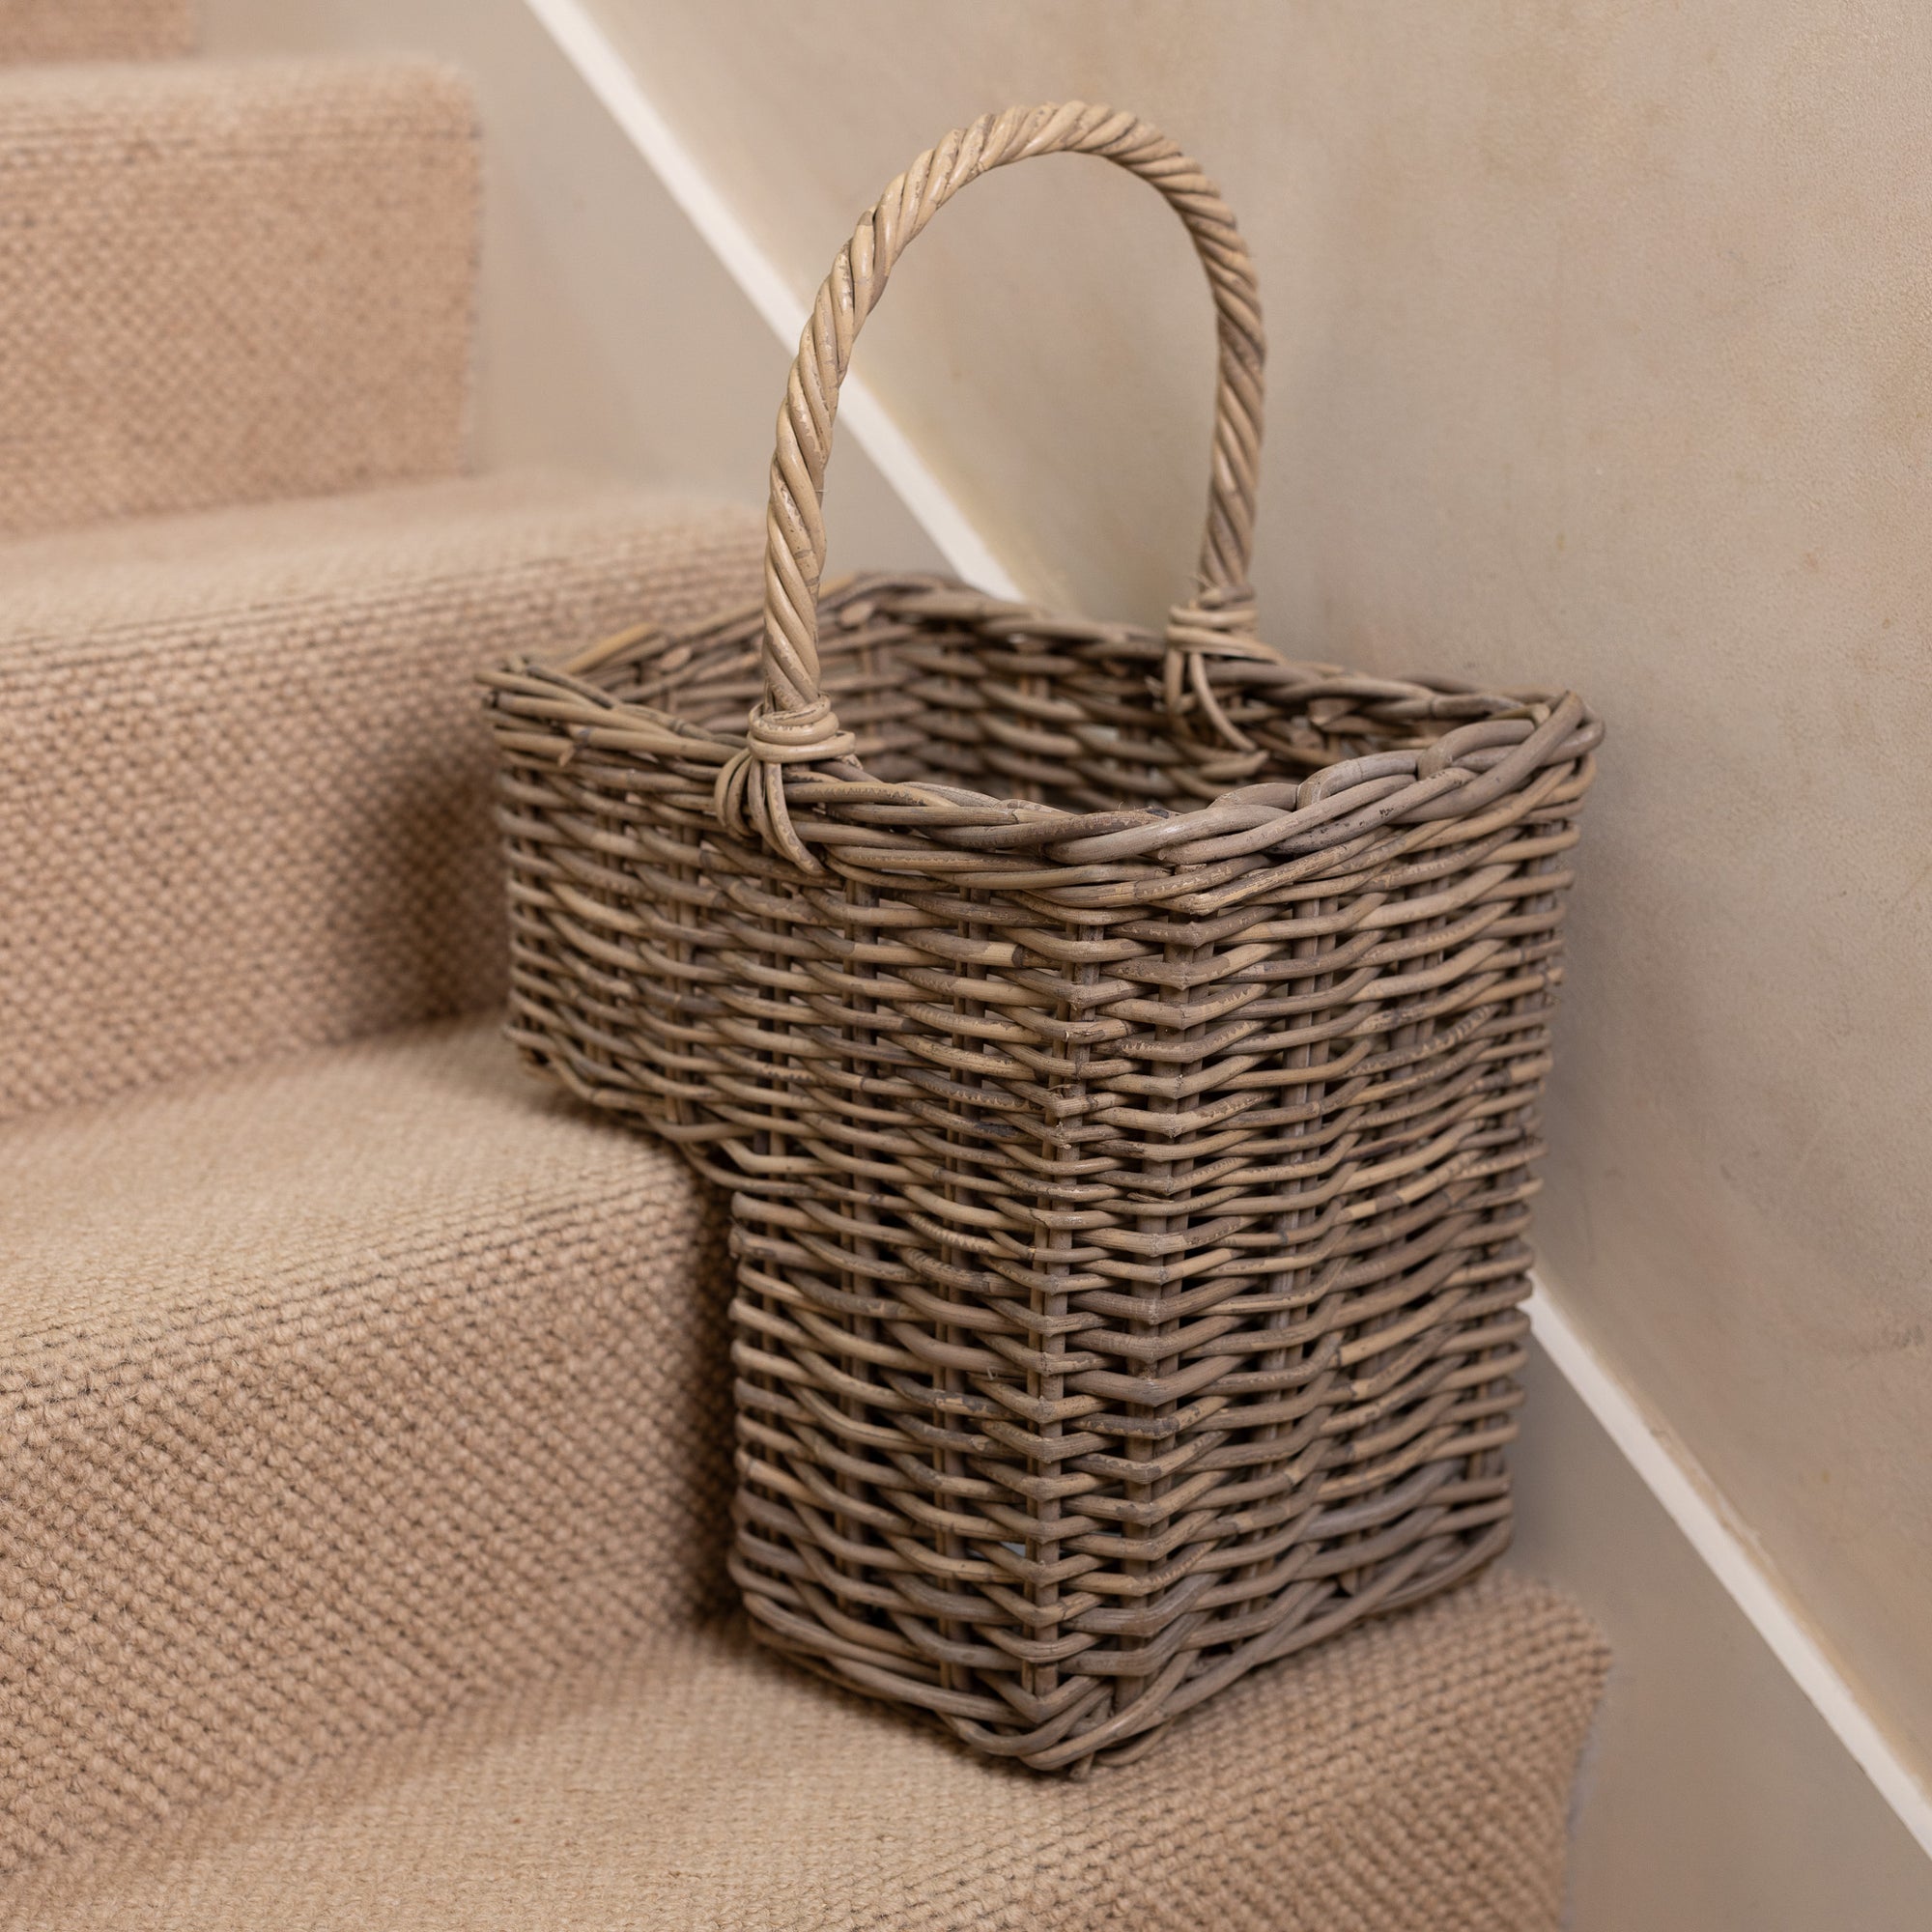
(1412, 1775)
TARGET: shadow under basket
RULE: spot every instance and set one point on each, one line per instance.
(1122, 1051)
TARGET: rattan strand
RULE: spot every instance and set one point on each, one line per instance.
(1130, 1166)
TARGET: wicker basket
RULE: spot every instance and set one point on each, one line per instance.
(1123, 1052)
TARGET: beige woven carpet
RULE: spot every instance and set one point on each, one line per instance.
(82, 30)
(334, 1392)
(1412, 1776)
(221, 283)
(255, 761)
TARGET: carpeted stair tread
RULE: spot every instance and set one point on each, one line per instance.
(333, 1391)
(230, 282)
(95, 30)
(252, 754)
(1412, 1776)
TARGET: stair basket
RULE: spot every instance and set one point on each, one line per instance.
(1121, 1052)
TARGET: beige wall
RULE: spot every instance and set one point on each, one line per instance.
(1600, 355)
(1713, 1797)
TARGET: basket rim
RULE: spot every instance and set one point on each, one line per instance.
(1503, 741)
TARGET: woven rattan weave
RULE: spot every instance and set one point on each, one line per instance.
(1122, 1052)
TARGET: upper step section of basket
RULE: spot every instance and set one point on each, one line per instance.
(231, 282)
(952, 691)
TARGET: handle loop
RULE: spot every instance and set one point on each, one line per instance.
(795, 723)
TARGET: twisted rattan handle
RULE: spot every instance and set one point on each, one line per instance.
(795, 723)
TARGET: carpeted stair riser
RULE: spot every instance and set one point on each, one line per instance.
(95, 30)
(251, 751)
(221, 283)
(335, 1393)
(1414, 1777)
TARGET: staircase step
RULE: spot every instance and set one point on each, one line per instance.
(253, 760)
(332, 1391)
(226, 282)
(95, 30)
(1414, 1774)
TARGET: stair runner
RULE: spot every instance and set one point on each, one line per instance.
(363, 1500)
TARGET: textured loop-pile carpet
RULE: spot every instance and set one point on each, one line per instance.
(224, 283)
(252, 753)
(334, 1391)
(95, 30)
(1414, 1777)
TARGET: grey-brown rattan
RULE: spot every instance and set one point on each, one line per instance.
(1123, 1054)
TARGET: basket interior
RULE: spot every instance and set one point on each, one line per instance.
(1016, 706)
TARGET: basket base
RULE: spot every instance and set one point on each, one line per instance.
(1303, 1618)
